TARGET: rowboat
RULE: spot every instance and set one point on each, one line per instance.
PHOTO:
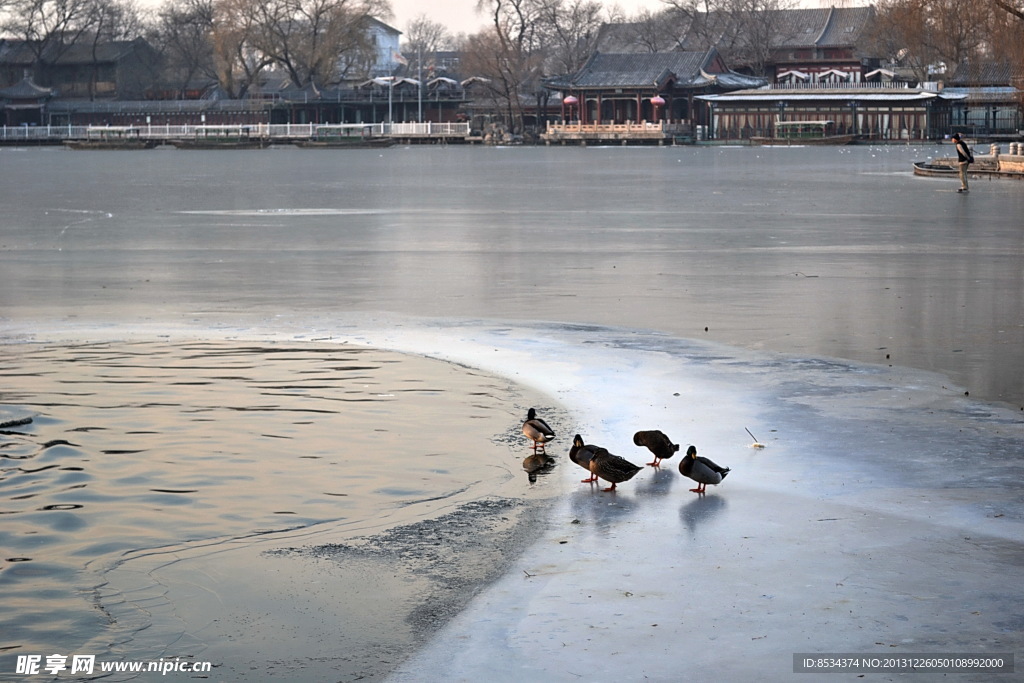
(947, 168)
(933, 169)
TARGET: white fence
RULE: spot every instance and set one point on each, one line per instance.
(284, 131)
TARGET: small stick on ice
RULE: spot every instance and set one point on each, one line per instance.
(756, 444)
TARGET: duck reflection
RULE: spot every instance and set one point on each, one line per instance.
(700, 511)
(537, 464)
(658, 483)
(599, 512)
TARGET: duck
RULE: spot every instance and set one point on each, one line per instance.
(701, 470)
(537, 430)
(657, 442)
(601, 464)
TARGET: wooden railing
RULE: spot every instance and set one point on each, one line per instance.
(630, 127)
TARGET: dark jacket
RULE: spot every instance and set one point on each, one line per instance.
(963, 152)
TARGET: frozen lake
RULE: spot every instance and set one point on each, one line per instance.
(839, 252)
(863, 323)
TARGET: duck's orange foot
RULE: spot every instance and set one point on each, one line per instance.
(656, 463)
(610, 488)
(589, 481)
(698, 490)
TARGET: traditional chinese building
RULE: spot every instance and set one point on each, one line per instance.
(878, 112)
(652, 88)
(24, 103)
(991, 102)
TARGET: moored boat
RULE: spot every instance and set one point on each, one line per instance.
(111, 138)
(931, 168)
(947, 168)
(805, 133)
(223, 137)
(345, 143)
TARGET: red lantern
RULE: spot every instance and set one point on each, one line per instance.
(657, 101)
(570, 100)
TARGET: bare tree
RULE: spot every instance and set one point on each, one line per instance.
(423, 40)
(184, 36)
(111, 20)
(425, 36)
(921, 34)
(48, 27)
(237, 63)
(745, 32)
(307, 38)
(657, 31)
(509, 53)
(1008, 36)
(569, 31)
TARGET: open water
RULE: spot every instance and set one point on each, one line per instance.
(145, 272)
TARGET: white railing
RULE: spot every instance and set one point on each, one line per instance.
(427, 129)
(284, 131)
(841, 85)
(628, 127)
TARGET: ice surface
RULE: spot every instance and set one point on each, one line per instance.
(884, 516)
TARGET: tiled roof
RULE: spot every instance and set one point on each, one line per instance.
(19, 52)
(828, 94)
(637, 70)
(797, 28)
(24, 90)
(986, 74)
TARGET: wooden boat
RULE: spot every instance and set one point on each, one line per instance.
(804, 133)
(933, 169)
(223, 137)
(111, 138)
(947, 168)
(344, 136)
(827, 140)
(345, 143)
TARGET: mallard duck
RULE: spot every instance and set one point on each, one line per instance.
(537, 430)
(701, 470)
(601, 464)
(658, 443)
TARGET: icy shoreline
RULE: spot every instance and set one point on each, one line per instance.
(884, 516)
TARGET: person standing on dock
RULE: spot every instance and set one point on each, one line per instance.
(964, 159)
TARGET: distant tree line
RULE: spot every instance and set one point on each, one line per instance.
(924, 34)
(325, 42)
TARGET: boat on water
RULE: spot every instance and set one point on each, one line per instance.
(223, 137)
(805, 133)
(934, 169)
(344, 136)
(111, 138)
(947, 168)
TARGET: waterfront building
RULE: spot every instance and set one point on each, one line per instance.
(24, 103)
(880, 112)
(657, 90)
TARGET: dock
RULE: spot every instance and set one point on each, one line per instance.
(259, 134)
(628, 133)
